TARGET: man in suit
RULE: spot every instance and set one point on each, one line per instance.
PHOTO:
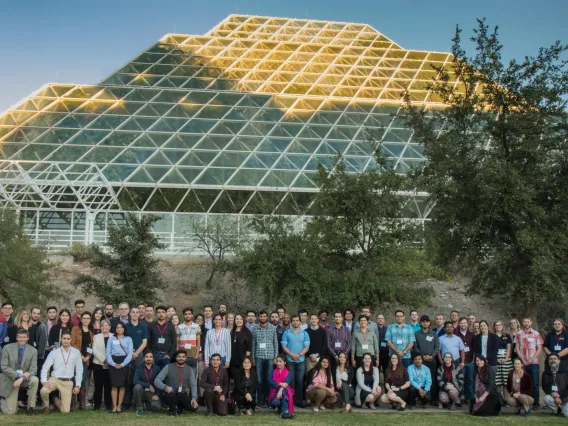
(19, 370)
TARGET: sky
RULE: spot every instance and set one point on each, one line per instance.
(71, 41)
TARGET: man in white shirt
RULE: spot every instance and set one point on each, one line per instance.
(67, 369)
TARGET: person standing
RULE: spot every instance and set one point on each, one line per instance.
(338, 339)
(118, 356)
(414, 321)
(177, 381)
(123, 316)
(264, 351)
(241, 346)
(529, 348)
(42, 334)
(364, 342)
(100, 367)
(318, 342)
(67, 367)
(295, 344)
(555, 386)
(505, 365)
(487, 344)
(215, 381)
(162, 338)
(35, 322)
(384, 358)
(79, 309)
(400, 338)
(138, 332)
(467, 338)
(428, 346)
(189, 338)
(556, 342)
(62, 326)
(420, 382)
(348, 322)
(218, 341)
(144, 392)
(82, 340)
(19, 371)
(251, 320)
(519, 387)
(208, 319)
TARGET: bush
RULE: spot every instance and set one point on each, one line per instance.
(80, 252)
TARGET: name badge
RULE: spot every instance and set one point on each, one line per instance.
(501, 351)
(115, 342)
(89, 351)
(383, 344)
(530, 339)
(557, 348)
(262, 345)
(429, 338)
(180, 389)
(35, 345)
(554, 388)
(6, 339)
(399, 342)
(19, 372)
(337, 344)
(187, 346)
(147, 390)
(161, 341)
(365, 346)
(466, 349)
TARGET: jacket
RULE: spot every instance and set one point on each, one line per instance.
(77, 340)
(41, 339)
(457, 379)
(493, 343)
(99, 349)
(240, 344)
(361, 383)
(9, 366)
(207, 381)
(141, 379)
(241, 389)
(561, 381)
(526, 383)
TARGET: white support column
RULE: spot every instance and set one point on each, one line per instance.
(89, 227)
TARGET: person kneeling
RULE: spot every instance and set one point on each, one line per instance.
(368, 390)
(450, 382)
(397, 383)
(519, 386)
(420, 382)
(555, 386)
(281, 394)
(144, 391)
(321, 389)
(215, 382)
(175, 380)
(245, 386)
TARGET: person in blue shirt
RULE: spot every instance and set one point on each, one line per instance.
(556, 342)
(118, 355)
(400, 338)
(420, 382)
(414, 321)
(296, 343)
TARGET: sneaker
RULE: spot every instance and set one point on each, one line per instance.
(46, 411)
(140, 412)
(171, 413)
(180, 411)
(31, 411)
(401, 409)
(315, 409)
(528, 413)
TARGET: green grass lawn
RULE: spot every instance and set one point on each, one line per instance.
(412, 418)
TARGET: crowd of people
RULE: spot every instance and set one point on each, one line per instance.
(154, 358)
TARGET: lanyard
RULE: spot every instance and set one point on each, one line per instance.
(65, 361)
(180, 376)
(218, 336)
(216, 376)
(364, 336)
(161, 330)
(418, 375)
(146, 374)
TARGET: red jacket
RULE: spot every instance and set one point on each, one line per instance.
(526, 384)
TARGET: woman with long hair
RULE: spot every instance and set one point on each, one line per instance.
(241, 344)
(368, 389)
(218, 341)
(245, 385)
(230, 321)
(281, 394)
(344, 381)
(450, 382)
(486, 402)
(519, 387)
(174, 320)
(504, 355)
(100, 367)
(63, 324)
(514, 329)
(97, 317)
(118, 356)
(23, 320)
(397, 383)
(82, 340)
(321, 388)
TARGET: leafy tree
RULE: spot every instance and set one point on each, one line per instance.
(356, 249)
(24, 269)
(129, 272)
(497, 169)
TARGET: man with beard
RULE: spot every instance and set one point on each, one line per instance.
(555, 386)
(338, 339)
(149, 313)
(162, 338)
(264, 351)
(176, 379)
(208, 317)
(144, 391)
(275, 321)
(109, 311)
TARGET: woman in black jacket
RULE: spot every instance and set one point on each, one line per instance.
(487, 344)
(241, 345)
(245, 386)
(64, 324)
(343, 382)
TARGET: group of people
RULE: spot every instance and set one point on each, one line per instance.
(153, 358)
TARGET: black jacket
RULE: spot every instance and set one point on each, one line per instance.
(240, 388)
(561, 381)
(492, 348)
(240, 344)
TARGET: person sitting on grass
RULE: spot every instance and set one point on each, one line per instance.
(281, 394)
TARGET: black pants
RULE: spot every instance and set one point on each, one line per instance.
(244, 404)
(413, 395)
(175, 400)
(102, 385)
(433, 367)
(384, 359)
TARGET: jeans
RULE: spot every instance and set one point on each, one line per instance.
(282, 402)
(84, 378)
(160, 360)
(468, 385)
(297, 370)
(406, 362)
(264, 370)
(533, 370)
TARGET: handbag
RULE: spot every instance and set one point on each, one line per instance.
(233, 407)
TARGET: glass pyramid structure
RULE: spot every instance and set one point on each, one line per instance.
(234, 121)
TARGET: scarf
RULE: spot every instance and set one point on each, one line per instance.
(280, 377)
(554, 370)
(448, 373)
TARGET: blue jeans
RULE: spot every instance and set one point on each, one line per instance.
(160, 360)
(533, 370)
(468, 385)
(297, 370)
(406, 362)
(264, 370)
(281, 402)
(84, 378)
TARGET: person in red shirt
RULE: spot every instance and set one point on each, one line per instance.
(79, 309)
(467, 337)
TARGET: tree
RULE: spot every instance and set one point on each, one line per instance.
(217, 236)
(356, 249)
(497, 169)
(24, 269)
(129, 272)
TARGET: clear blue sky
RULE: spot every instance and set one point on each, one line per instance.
(86, 40)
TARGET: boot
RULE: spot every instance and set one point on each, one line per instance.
(74, 402)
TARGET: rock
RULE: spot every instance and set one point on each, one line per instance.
(450, 306)
(461, 290)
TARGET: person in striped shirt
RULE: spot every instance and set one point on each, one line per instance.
(218, 341)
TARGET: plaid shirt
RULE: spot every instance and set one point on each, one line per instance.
(527, 345)
(264, 342)
(400, 337)
(342, 336)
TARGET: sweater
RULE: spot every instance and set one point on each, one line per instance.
(170, 376)
(318, 341)
(526, 383)
(208, 381)
(457, 379)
